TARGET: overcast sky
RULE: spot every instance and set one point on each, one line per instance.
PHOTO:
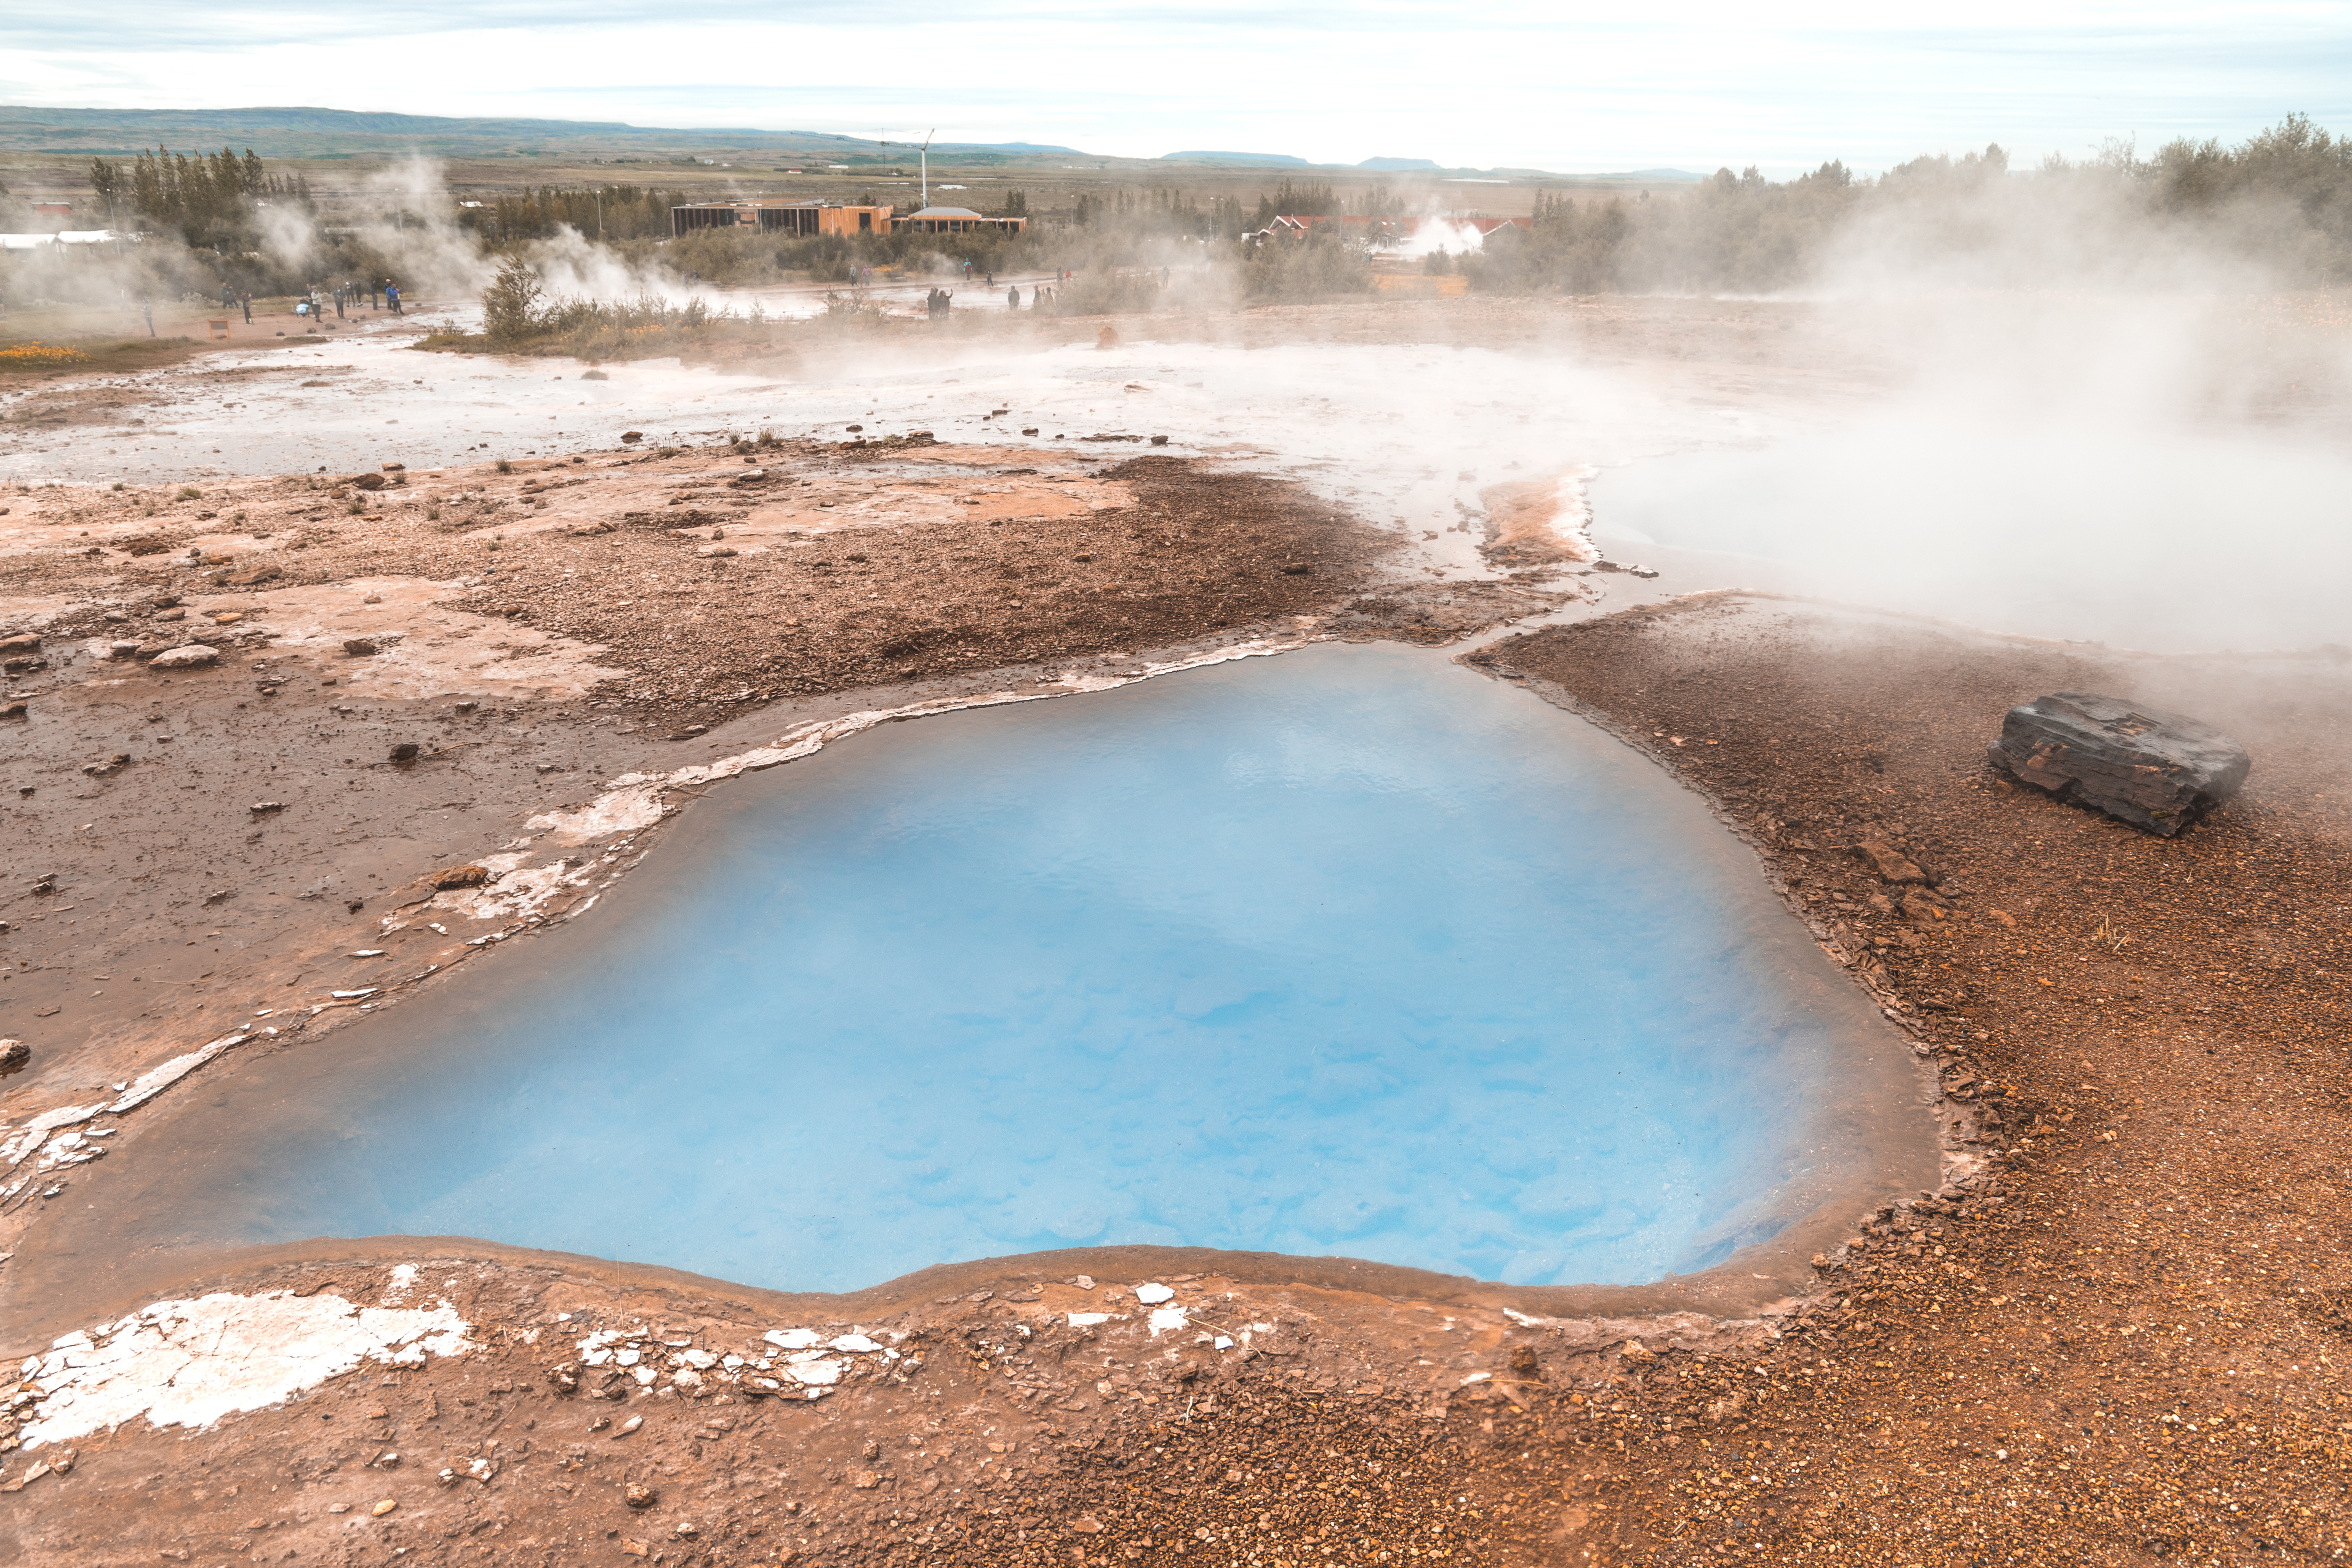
(1558, 86)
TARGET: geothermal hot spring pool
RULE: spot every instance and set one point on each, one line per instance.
(1350, 952)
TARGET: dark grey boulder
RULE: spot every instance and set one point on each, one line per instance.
(2152, 769)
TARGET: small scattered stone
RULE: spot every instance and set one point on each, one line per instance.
(631, 1425)
(637, 1495)
(195, 656)
(14, 1054)
(1889, 862)
(406, 752)
(386, 1507)
(1153, 1295)
(260, 807)
(22, 642)
(360, 647)
(452, 878)
(865, 1480)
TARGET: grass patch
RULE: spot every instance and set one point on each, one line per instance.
(37, 360)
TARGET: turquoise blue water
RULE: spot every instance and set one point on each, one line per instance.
(1350, 952)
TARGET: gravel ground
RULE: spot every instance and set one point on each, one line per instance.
(2118, 1344)
(2110, 1340)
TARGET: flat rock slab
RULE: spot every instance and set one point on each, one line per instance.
(2155, 769)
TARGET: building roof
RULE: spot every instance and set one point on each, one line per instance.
(944, 213)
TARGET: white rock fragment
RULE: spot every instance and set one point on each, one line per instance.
(1165, 1319)
(791, 1339)
(814, 1374)
(191, 1362)
(1087, 1320)
(1153, 1295)
(856, 1343)
(195, 656)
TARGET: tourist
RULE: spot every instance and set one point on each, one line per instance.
(1012, 298)
(392, 297)
(245, 297)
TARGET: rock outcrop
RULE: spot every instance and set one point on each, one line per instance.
(2155, 769)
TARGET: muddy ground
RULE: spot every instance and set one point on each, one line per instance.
(2116, 1345)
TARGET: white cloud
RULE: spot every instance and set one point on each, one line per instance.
(1691, 84)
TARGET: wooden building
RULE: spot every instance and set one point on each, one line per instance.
(780, 218)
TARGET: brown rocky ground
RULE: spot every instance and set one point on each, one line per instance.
(2117, 1346)
(2122, 1349)
(1331, 1426)
(532, 634)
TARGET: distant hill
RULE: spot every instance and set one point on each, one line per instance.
(1266, 160)
(311, 132)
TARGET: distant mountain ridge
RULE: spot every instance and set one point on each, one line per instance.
(312, 131)
(297, 132)
(1271, 160)
(1422, 166)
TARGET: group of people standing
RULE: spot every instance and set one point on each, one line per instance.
(313, 303)
(935, 303)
